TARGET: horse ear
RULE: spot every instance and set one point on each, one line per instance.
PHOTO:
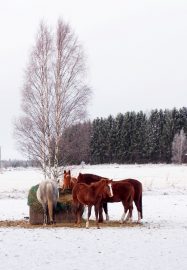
(64, 171)
(69, 172)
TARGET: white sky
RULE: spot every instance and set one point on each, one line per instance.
(136, 54)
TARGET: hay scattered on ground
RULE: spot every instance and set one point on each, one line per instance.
(25, 224)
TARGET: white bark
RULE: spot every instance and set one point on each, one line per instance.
(54, 95)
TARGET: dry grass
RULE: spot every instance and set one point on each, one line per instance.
(25, 224)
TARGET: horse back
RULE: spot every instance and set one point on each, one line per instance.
(88, 194)
(88, 178)
(121, 191)
(137, 187)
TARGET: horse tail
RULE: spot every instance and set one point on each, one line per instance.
(141, 210)
(132, 194)
(139, 201)
(50, 210)
(52, 196)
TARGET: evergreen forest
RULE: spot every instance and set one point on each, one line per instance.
(132, 137)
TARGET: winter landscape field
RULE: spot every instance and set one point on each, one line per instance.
(160, 242)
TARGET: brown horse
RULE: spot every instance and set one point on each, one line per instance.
(88, 178)
(137, 185)
(68, 181)
(90, 195)
(123, 192)
(137, 195)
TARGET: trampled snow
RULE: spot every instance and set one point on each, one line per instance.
(159, 243)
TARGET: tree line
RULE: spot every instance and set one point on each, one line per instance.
(155, 137)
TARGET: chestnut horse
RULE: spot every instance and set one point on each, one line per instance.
(89, 178)
(123, 192)
(90, 195)
(138, 189)
(68, 181)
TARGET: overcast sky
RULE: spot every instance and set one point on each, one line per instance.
(136, 54)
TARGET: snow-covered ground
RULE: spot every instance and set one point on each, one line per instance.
(159, 243)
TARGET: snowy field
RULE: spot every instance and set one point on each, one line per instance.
(159, 243)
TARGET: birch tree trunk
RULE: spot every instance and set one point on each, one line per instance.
(179, 147)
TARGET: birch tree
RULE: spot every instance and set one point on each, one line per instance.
(54, 95)
(179, 147)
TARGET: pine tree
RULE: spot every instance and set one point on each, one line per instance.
(153, 135)
(111, 139)
(139, 138)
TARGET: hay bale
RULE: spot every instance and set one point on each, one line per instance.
(33, 201)
(63, 212)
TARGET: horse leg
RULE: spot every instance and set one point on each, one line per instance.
(101, 207)
(130, 212)
(123, 216)
(78, 218)
(96, 207)
(138, 204)
(77, 210)
(105, 207)
(88, 216)
(54, 215)
(127, 217)
(50, 210)
(45, 214)
(138, 210)
(127, 208)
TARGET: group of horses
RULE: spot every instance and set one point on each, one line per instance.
(92, 190)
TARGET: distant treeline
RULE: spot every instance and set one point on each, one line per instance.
(14, 163)
(127, 138)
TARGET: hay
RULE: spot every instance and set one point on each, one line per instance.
(33, 201)
(64, 211)
(64, 203)
(112, 224)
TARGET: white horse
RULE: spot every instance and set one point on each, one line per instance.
(47, 194)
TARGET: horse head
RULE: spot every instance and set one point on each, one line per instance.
(108, 192)
(68, 181)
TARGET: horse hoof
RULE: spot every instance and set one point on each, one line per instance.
(129, 221)
(107, 218)
(77, 225)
